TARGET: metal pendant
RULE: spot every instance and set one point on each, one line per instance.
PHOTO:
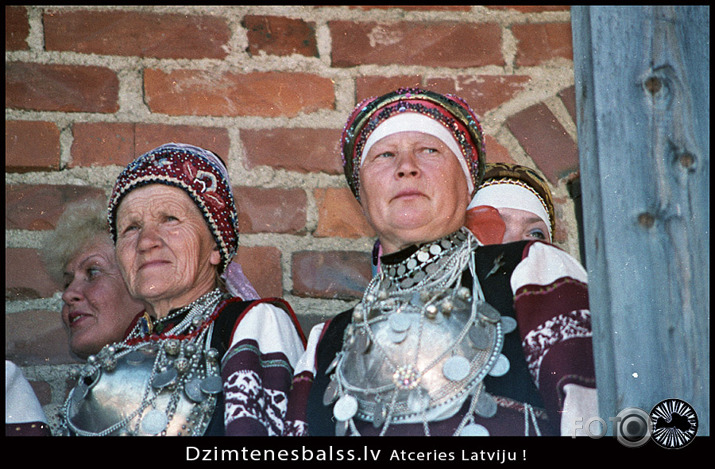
(345, 408)
(396, 337)
(379, 415)
(486, 405)
(488, 312)
(362, 343)
(135, 357)
(193, 391)
(508, 324)
(501, 367)
(456, 368)
(331, 392)
(474, 429)
(165, 378)
(399, 322)
(79, 392)
(212, 384)
(332, 365)
(154, 422)
(479, 336)
(341, 428)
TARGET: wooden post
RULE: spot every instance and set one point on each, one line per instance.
(642, 78)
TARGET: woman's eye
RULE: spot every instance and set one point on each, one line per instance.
(429, 151)
(537, 234)
(93, 272)
(129, 228)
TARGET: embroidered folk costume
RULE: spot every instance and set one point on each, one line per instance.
(23, 413)
(450, 337)
(220, 365)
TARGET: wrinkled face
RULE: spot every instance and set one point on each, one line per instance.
(523, 225)
(165, 250)
(97, 308)
(412, 190)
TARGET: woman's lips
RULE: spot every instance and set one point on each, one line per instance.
(153, 263)
(409, 193)
(75, 318)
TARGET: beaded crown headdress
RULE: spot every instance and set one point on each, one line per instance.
(449, 110)
(201, 174)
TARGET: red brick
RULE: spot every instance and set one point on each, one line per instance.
(38, 207)
(546, 141)
(331, 274)
(36, 337)
(31, 146)
(17, 28)
(63, 88)
(530, 8)
(432, 44)
(166, 36)
(540, 42)
(265, 94)
(26, 276)
(276, 35)
(496, 152)
(463, 8)
(270, 210)
(367, 87)
(150, 136)
(293, 149)
(102, 143)
(482, 92)
(262, 267)
(110, 143)
(568, 97)
(340, 215)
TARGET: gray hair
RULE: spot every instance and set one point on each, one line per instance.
(81, 222)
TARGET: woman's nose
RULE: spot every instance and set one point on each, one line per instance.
(407, 165)
(148, 237)
(72, 293)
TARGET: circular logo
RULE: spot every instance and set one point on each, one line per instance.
(674, 423)
(633, 427)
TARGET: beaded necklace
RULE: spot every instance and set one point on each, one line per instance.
(419, 344)
(177, 370)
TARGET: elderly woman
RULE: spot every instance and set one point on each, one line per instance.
(199, 361)
(513, 203)
(97, 308)
(450, 337)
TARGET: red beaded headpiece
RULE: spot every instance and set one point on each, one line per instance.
(201, 174)
(449, 110)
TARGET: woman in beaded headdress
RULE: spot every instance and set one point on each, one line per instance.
(198, 361)
(513, 202)
(451, 337)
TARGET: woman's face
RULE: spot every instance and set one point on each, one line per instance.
(523, 225)
(165, 250)
(413, 190)
(97, 308)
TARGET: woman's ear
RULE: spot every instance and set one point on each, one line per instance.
(215, 257)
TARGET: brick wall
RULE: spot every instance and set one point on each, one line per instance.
(269, 89)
